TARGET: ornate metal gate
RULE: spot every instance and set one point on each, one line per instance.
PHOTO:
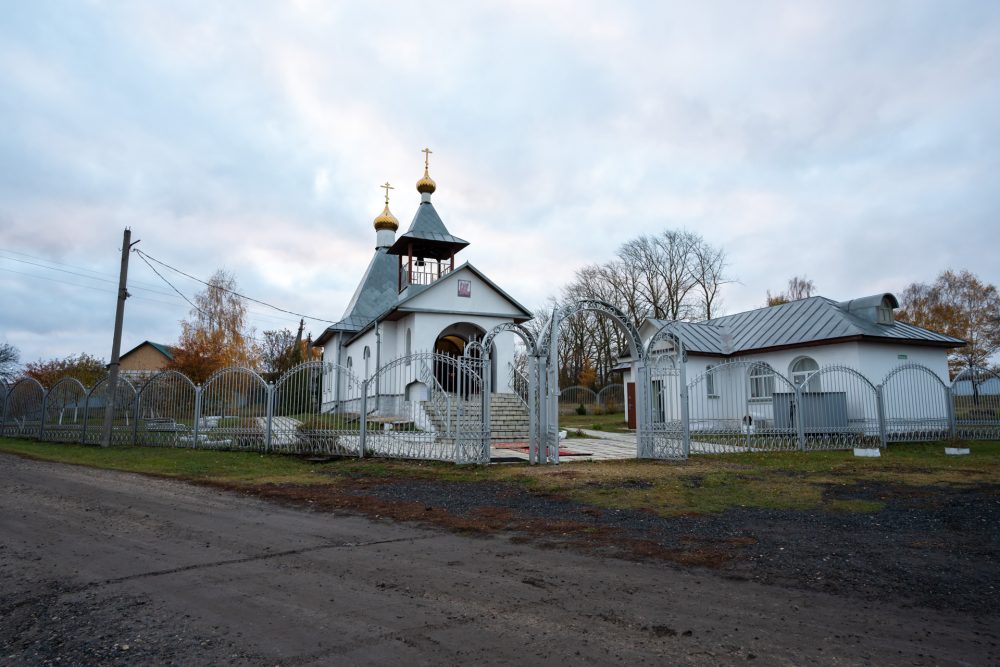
(662, 431)
(409, 414)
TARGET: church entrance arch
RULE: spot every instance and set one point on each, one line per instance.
(452, 342)
(549, 345)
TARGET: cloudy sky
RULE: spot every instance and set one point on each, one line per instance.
(855, 143)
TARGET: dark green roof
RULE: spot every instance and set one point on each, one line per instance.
(165, 350)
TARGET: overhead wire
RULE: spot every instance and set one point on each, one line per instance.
(53, 261)
(134, 284)
(233, 292)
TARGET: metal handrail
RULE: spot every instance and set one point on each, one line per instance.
(518, 383)
(436, 391)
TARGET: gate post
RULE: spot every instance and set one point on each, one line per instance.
(685, 414)
(800, 427)
(532, 410)
(86, 416)
(363, 416)
(487, 383)
(459, 430)
(45, 409)
(270, 416)
(952, 422)
(552, 408)
(135, 415)
(197, 415)
(640, 373)
(880, 405)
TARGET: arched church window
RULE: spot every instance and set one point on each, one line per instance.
(801, 369)
(367, 355)
(761, 382)
(408, 348)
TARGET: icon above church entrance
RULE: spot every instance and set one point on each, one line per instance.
(465, 288)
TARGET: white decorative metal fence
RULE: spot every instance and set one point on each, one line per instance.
(742, 406)
(434, 406)
(917, 405)
(122, 417)
(975, 395)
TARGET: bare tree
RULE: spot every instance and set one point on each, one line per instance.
(10, 358)
(676, 254)
(642, 257)
(708, 268)
(798, 288)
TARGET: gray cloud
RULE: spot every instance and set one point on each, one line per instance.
(851, 142)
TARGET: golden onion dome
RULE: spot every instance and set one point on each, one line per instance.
(386, 220)
(426, 184)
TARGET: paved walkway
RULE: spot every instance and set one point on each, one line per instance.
(598, 446)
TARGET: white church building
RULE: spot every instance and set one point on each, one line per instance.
(415, 297)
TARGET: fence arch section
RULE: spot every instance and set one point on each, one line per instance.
(122, 419)
(24, 409)
(840, 409)
(413, 415)
(572, 399)
(612, 398)
(976, 404)
(65, 411)
(299, 422)
(916, 404)
(742, 406)
(165, 411)
(234, 411)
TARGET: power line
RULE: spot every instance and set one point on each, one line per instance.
(143, 258)
(52, 261)
(144, 299)
(242, 296)
(81, 275)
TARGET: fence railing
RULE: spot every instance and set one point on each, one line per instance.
(748, 406)
(409, 415)
(427, 407)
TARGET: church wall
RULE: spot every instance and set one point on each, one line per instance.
(483, 298)
(427, 327)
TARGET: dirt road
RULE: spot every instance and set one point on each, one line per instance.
(114, 568)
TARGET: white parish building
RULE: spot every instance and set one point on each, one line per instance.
(746, 366)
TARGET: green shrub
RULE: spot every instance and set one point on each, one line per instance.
(581, 410)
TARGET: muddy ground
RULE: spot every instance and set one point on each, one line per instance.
(933, 546)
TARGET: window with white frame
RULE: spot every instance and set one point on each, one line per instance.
(710, 388)
(761, 382)
(801, 369)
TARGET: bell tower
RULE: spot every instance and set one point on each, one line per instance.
(427, 250)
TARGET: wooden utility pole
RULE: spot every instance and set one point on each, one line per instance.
(116, 345)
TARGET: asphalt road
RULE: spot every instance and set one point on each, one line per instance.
(99, 567)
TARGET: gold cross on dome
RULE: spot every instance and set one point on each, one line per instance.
(387, 187)
(427, 158)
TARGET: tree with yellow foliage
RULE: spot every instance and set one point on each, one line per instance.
(216, 335)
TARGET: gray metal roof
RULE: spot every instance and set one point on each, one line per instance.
(377, 291)
(428, 226)
(796, 323)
